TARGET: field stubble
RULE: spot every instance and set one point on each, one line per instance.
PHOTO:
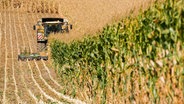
(22, 82)
(23, 91)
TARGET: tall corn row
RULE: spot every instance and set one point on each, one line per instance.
(37, 6)
(43, 6)
(5, 3)
(137, 60)
(11, 4)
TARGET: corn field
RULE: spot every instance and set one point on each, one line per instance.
(138, 60)
(33, 6)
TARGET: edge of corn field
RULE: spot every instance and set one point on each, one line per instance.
(140, 59)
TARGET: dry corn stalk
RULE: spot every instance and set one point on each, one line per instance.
(37, 6)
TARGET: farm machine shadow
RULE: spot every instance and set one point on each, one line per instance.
(44, 27)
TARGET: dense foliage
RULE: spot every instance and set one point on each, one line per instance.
(139, 59)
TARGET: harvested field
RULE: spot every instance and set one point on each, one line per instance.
(36, 82)
(25, 82)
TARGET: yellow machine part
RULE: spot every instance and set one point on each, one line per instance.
(40, 28)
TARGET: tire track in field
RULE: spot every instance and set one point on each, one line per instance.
(38, 86)
(24, 93)
(30, 86)
(9, 86)
(13, 61)
(10, 96)
(1, 21)
(47, 69)
(5, 68)
(2, 60)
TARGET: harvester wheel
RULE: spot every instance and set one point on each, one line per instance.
(38, 58)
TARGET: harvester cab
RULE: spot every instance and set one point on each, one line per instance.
(45, 26)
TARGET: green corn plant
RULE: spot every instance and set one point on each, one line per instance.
(140, 55)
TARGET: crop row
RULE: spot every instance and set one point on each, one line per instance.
(140, 59)
(38, 6)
